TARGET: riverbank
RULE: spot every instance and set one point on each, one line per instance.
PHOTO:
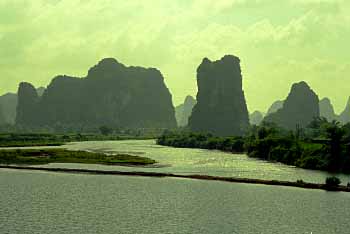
(41, 139)
(45, 156)
(314, 154)
(298, 184)
(31, 144)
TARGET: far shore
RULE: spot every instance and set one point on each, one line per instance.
(41, 140)
(304, 185)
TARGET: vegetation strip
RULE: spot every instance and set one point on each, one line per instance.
(45, 156)
(322, 145)
(198, 177)
(50, 139)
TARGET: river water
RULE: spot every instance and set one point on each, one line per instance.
(45, 202)
(197, 161)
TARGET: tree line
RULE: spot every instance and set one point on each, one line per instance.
(322, 145)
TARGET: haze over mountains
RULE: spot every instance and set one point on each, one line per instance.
(275, 107)
(344, 117)
(8, 104)
(134, 97)
(327, 110)
(256, 118)
(184, 111)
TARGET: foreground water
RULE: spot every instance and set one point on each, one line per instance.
(40, 202)
(43, 202)
(197, 161)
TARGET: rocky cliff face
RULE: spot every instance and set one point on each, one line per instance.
(8, 105)
(327, 110)
(299, 109)
(275, 107)
(221, 107)
(344, 117)
(256, 118)
(184, 111)
(111, 94)
(27, 106)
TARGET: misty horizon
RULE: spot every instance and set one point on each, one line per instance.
(250, 111)
(287, 42)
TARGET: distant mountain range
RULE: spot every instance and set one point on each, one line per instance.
(344, 117)
(8, 104)
(275, 107)
(299, 109)
(326, 110)
(184, 111)
(118, 96)
(256, 118)
(111, 94)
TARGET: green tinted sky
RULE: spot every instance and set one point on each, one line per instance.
(279, 42)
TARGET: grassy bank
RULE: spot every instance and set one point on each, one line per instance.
(45, 156)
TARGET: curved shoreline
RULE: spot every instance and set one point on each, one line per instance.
(340, 188)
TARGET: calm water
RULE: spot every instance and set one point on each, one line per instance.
(197, 161)
(66, 203)
(43, 202)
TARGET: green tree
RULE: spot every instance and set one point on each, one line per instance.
(346, 129)
(317, 127)
(335, 135)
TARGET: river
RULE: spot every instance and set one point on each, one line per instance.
(197, 161)
(44, 202)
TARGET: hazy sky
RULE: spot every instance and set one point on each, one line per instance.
(279, 42)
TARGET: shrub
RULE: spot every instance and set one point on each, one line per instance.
(332, 182)
(277, 153)
(237, 146)
(300, 182)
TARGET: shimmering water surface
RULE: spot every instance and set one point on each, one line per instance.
(40, 202)
(197, 161)
(43, 202)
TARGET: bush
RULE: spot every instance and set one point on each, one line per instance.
(300, 182)
(311, 162)
(277, 153)
(332, 182)
(238, 146)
